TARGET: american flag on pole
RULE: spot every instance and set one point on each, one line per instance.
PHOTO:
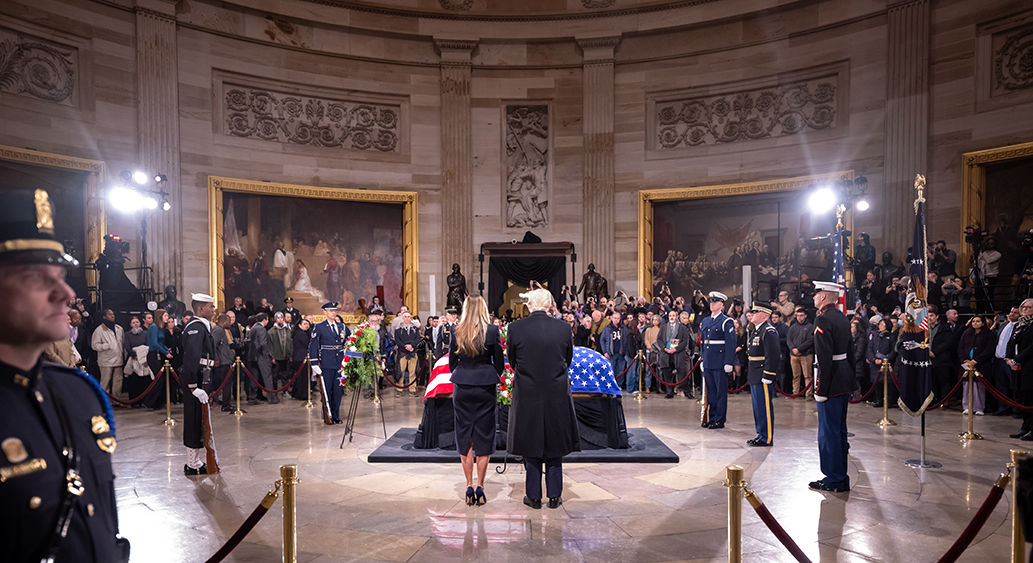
(838, 270)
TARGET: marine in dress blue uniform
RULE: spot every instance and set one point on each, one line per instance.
(764, 353)
(57, 431)
(833, 384)
(326, 351)
(718, 339)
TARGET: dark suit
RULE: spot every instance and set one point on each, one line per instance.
(542, 424)
(261, 358)
(476, 380)
(671, 365)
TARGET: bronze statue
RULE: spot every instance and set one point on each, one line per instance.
(593, 284)
(174, 307)
(456, 288)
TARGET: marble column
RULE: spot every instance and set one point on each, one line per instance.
(907, 121)
(157, 84)
(597, 130)
(456, 160)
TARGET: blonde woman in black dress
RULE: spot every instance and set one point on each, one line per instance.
(476, 361)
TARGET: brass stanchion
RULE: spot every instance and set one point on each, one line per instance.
(734, 482)
(289, 477)
(1018, 539)
(641, 376)
(376, 390)
(885, 422)
(167, 370)
(970, 435)
(239, 412)
(308, 385)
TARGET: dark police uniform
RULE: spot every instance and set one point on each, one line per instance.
(445, 337)
(326, 350)
(718, 338)
(764, 355)
(198, 358)
(833, 383)
(57, 430)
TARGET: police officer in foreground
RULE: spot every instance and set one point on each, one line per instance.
(764, 354)
(198, 359)
(718, 339)
(326, 352)
(834, 382)
(57, 431)
(446, 332)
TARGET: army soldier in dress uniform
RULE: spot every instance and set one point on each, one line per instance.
(447, 332)
(326, 352)
(198, 359)
(764, 354)
(718, 338)
(834, 382)
(57, 431)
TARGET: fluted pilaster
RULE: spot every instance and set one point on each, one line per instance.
(597, 130)
(158, 115)
(456, 158)
(907, 119)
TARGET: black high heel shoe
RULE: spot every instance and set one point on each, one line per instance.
(481, 499)
(470, 499)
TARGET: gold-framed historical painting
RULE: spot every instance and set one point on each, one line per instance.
(312, 244)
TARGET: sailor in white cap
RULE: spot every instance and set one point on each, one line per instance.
(718, 339)
(198, 359)
(834, 382)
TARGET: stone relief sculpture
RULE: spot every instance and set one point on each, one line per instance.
(33, 68)
(306, 120)
(1013, 61)
(748, 115)
(527, 166)
(598, 3)
(456, 5)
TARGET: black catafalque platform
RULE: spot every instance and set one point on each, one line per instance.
(604, 436)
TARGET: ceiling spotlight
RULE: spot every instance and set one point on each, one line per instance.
(126, 176)
(862, 205)
(159, 178)
(822, 200)
(124, 199)
(150, 203)
(139, 177)
(166, 206)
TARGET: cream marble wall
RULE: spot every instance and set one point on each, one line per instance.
(704, 45)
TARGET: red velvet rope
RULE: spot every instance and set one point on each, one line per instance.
(238, 536)
(780, 533)
(870, 390)
(945, 398)
(966, 537)
(142, 395)
(795, 395)
(280, 390)
(412, 381)
(739, 390)
(223, 384)
(677, 383)
(1000, 396)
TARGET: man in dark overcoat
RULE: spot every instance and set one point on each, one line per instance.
(542, 424)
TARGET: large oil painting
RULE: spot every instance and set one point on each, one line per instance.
(312, 250)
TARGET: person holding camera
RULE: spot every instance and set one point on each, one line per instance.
(864, 259)
(944, 260)
(989, 262)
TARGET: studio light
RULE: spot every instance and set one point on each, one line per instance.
(150, 203)
(862, 205)
(140, 178)
(822, 200)
(160, 178)
(125, 199)
(166, 206)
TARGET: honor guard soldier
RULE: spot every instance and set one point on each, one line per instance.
(57, 431)
(764, 354)
(833, 384)
(198, 359)
(448, 329)
(326, 352)
(718, 339)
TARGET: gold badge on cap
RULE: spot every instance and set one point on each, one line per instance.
(107, 444)
(14, 449)
(100, 425)
(44, 215)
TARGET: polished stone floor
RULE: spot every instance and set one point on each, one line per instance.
(351, 510)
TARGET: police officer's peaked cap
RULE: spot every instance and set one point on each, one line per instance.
(452, 310)
(27, 230)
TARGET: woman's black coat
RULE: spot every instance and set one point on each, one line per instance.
(1020, 349)
(482, 369)
(979, 347)
(542, 423)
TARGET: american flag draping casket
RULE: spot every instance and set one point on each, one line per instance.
(589, 372)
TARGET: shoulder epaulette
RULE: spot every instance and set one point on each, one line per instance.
(102, 397)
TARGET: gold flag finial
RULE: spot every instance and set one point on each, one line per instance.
(920, 186)
(44, 216)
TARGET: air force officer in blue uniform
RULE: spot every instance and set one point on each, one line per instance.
(717, 333)
(326, 350)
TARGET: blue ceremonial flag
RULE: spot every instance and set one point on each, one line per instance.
(590, 372)
(914, 370)
(838, 274)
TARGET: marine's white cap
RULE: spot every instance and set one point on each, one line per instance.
(827, 286)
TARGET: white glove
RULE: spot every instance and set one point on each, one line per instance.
(201, 396)
(316, 369)
(728, 369)
(820, 399)
(766, 381)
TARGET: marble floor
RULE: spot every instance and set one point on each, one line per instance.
(351, 510)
